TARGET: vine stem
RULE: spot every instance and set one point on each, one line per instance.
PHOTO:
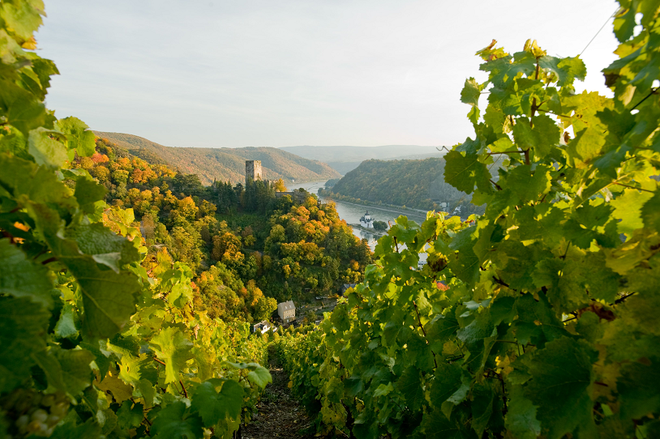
(185, 392)
(419, 320)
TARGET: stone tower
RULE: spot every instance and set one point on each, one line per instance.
(252, 170)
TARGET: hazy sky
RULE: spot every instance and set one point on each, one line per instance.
(286, 72)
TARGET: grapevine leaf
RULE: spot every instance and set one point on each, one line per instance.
(105, 246)
(116, 387)
(561, 379)
(526, 184)
(173, 348)
(471, 92)
(128, 417)
(521, 418)
(214, 406)
(651, 212)
(437, 426)
(37, 183)
(260, 376)
(67, 370)
(20, 107)
(46, 150)
(447, 381)
(23, 326)
(482, 407)
(69, 430)
(108, 297)
(410, 385)
(88, 192)
(464, 172)
(627, 209)
(21, 277)
(639, 387)
(624, 24)
(172, 422)
(66, 326)
(79, 138)
(23, 18)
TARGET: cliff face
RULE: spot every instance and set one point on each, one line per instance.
(224, 164)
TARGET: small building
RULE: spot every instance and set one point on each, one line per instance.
(286, 311)
(367, 221)
(263, 327)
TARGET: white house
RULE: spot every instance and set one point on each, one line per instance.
(263, 327)
(286, 311)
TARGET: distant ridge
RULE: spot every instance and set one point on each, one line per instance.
(224, 164)
(346, 158)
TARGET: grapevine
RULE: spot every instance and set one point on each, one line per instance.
(539, 317)
(98, 341)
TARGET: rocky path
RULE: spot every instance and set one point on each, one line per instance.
(279, 415)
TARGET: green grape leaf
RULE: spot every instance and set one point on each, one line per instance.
(46, 150)
(541, 138)
(88, 192)
(639, 389)
(37, 183)
(78, 137)
(521, 418)
(67, 370)
(130, 415)
(23, 327)
(174, 349)
(624, 24)
(22, 17)
(260, 376)
(69, 430)
(482, 407)
(22, 110)
(410, 385)
(172, 422)
(527, 185)
(471, 92)
(105, 246)
(628, 209)
(437, 426)
(22, 277)
(214, 406)
(651, 212)
(561, 378)
(446, 382)
(464, 172)
(66, 325)
(464, 263)
(108, 297)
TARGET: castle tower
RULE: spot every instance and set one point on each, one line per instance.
(252, 170)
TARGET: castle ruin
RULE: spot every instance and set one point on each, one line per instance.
(252, 170)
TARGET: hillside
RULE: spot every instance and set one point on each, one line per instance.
(224, 164)
(344, 159)
(413, 183)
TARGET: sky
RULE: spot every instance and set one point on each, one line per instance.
(234, 73)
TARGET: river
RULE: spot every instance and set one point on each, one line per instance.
(352, 213)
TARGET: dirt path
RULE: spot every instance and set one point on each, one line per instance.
(279, 416)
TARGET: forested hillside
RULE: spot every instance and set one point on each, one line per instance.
(412, 183)
(224, 164)
(287, 249)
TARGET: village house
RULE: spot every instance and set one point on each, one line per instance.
(263, 327)
(286, 311)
